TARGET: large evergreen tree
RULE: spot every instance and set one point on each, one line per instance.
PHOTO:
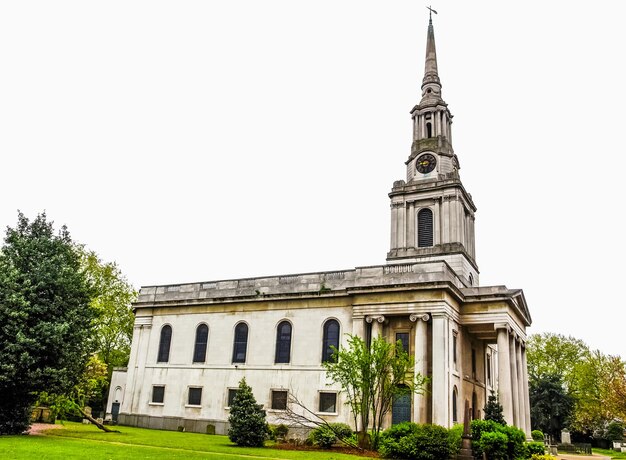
(45, 318)
(248, 427)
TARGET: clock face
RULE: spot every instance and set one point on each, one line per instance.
(426, 163)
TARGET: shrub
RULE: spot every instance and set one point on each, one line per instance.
(279, 432)
(323, 436)
(535, 448)
(248, 427)
(615, 431)
(494, 445)
(455, 435)
(542, 457)
(537, 435)
(515, 438)
(417, 442)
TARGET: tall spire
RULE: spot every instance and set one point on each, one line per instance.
(431, 76)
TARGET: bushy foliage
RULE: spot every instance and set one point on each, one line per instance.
(493, 409)
(327, 435)
(45, 318)
(542, 457)
(278, 432)
(537, 435)
(494, 445)
(535, 448)
(248, 427)
(414, 441)
(615, 431)
(515, 437)
(323, 436)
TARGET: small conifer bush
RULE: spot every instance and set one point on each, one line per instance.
(248, 427)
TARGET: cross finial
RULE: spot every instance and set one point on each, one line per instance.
(430, 14)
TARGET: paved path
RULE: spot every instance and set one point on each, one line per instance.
(582, 457)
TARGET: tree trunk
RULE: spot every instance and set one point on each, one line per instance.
(94, 421)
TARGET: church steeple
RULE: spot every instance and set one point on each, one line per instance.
(431, 75)
(432, 215)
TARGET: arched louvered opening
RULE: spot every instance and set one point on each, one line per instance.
(424, 228)
(330, 340)
(202, 337)
(283, 342)
(429, 129)
(240, 344)
(164, 344)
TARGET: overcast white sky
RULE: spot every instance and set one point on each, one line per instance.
(201, 140)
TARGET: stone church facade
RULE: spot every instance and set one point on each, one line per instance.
(192, 343)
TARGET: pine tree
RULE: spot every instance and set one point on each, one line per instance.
(493, 410)
(248, 427)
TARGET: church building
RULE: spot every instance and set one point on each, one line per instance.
(192, 343)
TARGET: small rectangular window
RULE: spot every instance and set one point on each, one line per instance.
(158, 394)
(195, 396)
(489, 369)
(403, 337)
(328, 402)
(279, 399)
(232, 392)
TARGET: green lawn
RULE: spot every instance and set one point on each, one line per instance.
(609, 453)
(76, 440)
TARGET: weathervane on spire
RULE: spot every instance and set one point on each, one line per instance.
(430, 15)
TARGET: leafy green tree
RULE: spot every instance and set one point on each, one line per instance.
(371, 377)
(45, 318)
(493, 410)
(113, 323)
(112, 302)
(550, 405)
(248, 427)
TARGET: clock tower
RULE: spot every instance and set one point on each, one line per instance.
(432, 215)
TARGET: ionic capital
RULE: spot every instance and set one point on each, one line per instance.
(423, 316)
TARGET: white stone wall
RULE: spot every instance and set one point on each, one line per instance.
(304, 375)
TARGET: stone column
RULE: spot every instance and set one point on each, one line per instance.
(420, 404)
(440, 387)
(514, 385)
(504, 373)
(520, 387)
(401, 225)
(394, 225)
(526, 396)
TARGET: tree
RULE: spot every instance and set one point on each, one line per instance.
(248, 427)
(550, 405)
(371, 377)
(113, 323)
(45, 318)
(493, 410)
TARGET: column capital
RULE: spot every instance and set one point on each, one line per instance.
(378, 318)
(423, 316)
(498, 326)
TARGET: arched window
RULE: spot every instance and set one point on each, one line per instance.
(202, 337)
(331, 339)
(474, 410)
(283, 342)
(455, 395)
(241, 343)
(164, 344)
(424, 228)
(429, 129)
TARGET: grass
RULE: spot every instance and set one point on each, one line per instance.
(609, 453)
(76, 440)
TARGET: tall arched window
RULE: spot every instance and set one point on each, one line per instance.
(164, 344)
(199, 349)
(283, 342)
(429, 130)
(424, 228)
(474, 410)
(331, 339)
(241, 343)
(455, 396)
